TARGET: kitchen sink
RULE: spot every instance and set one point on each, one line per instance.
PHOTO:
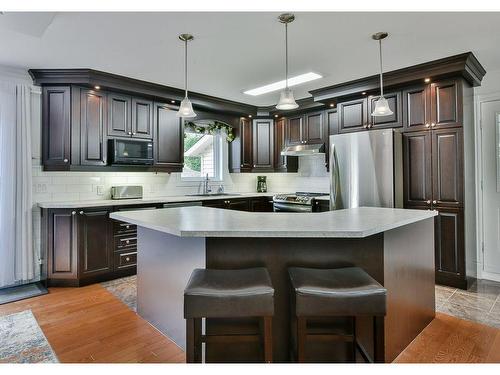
(211, 195)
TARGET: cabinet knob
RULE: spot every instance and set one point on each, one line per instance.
(127, 242)
(81, 212)
(127, 259)
(134, 133)
(65, 160)
(365, 126)
(254, 165)
(433, 124)
(73, 212)
(427, 125)
(128, 226)
(428, 202)
(129, 133)
(241, 165)
(434, 202)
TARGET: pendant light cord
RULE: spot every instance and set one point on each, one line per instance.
(380, 54)
(186, 68)
(286, 55)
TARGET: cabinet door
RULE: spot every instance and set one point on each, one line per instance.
(92, 128)
(238, 205)
(246, 144)
(416, 108)
(392, 121)
(353, 115)
(95, 242)
(332, 122)
(294, 130)
(61, 244)
(261, 204)
(215, 203)
(445, 104)
(119, 110)
(450, 251)
(314, 131)
(417, 180)
(263, 144)
(142, 118)
(169, 138)
(56, 109)
(279, 143)
(447, 168)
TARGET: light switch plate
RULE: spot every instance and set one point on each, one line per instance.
(99, 189)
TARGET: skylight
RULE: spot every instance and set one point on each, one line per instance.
(292, 81)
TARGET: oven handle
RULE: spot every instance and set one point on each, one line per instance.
(290, 207)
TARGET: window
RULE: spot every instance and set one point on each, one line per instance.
(202, 156)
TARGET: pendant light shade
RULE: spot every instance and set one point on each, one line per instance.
(287, 101)
(186, 108)
(381, 106)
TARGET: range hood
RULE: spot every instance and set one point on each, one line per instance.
(304, 150)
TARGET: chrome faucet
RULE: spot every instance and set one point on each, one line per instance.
(206, 186)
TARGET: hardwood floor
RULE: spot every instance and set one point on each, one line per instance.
(89, 324)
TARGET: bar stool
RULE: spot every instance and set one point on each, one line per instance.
(227, 294)
(341, 292)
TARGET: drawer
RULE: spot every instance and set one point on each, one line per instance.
(124, 242)
(120, 227)
(125, 259)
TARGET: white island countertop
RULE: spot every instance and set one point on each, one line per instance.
(213, 222)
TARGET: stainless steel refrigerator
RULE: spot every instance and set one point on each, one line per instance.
(366, 169)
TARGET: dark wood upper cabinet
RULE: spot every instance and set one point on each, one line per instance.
(142, 118)
(94, 242)
(294, 130)
(447, 169)
(93, 126)
(119, 121)
(449, 248)
(62, 244)
(56, 126)
(332, 122)
(446, 104)
(246, 144)
(314, 129)
(416, 108)
(392, 121)
(168, 138)
(279, 143)
(353, 115)
(417, 167)
(263, 144)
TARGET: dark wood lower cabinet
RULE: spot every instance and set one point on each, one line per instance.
(450, 249)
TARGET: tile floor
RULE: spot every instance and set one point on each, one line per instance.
(480, 303)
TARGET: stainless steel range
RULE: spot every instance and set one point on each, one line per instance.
(298, 202)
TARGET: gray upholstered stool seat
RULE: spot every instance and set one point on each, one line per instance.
(347, 292)
(342, 291)
(229, 293)
(242, 293)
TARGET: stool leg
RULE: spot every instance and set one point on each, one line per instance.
(378, 339)
(197, 341)
(268, 339)
(301, 339)
(190, 341)
(354, 339)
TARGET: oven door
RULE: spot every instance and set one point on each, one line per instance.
(131, 151)
(291, 207)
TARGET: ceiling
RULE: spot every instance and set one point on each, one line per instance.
(233, 52)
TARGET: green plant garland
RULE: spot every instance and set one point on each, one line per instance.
(211, 128)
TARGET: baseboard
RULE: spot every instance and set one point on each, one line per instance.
(490, 276)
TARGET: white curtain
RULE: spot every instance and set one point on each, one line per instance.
(17, 258)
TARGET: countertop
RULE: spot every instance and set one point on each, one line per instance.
(212, 222)
(166, 199)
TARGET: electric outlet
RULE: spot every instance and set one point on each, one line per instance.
(99, 189)
(41, 188)
(151, 188)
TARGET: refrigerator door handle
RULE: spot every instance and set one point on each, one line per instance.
(334, 179)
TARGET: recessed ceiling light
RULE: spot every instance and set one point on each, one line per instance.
(250, 116)
(332, 105)
(275, 115)
(427, 80)
(172, 101)
(97, 87)
(292, 81)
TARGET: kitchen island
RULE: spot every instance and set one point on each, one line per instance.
(395, 246)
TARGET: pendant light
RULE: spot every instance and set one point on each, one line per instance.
(287, 100)
(381, 106)
(186, 108)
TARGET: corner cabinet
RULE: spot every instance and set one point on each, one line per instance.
(168, 135)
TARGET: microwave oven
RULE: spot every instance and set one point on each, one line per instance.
(130, 151)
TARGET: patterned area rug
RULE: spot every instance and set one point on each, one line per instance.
(124, 289)
(22, 340)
